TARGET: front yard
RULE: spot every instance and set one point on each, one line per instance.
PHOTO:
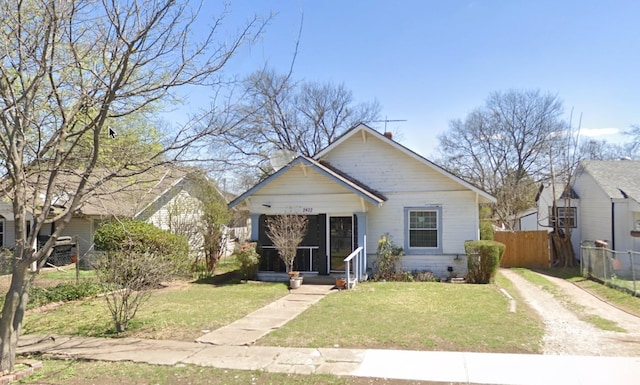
(393, 315)
(414, 316)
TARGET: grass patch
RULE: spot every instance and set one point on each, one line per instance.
(538, 280)
(616, 297)
(180, 312)
(417, 316)
(66, 274)
(125, 373)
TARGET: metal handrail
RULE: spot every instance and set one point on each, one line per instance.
(357, 252)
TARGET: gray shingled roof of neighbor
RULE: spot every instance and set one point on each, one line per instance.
(617, 178)
(125, 196)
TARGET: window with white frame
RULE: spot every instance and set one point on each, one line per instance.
(423, 228)
(563, 214)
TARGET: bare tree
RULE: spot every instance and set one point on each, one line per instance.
(69, 69)
(279, 114)
(127, 275)
(569, 156)
(287, 232)
(503, 147)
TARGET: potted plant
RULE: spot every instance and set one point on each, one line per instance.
(287, 232)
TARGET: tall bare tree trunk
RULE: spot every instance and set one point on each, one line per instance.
(563, 250)
(13, 313)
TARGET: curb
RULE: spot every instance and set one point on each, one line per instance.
(32, 366)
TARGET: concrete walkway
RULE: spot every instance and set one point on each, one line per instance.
(448, 367)
(231, 347)
(261, 322)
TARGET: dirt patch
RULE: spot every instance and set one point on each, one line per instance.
(564, 312)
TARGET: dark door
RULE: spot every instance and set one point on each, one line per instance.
(340, 241)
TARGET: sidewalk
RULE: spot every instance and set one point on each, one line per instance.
(261, 322)
(457, 367)
(231, 347)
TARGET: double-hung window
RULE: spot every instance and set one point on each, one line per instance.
(423, 232)
(563, 215)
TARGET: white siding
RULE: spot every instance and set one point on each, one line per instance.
(384, 168)
(594, 217)
(83, 229)
(182, 214)
(407, 182)
(302, 189)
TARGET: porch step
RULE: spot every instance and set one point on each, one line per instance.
(319, 280)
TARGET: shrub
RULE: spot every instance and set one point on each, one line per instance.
(131, 275)
(424, 276)
(248, 259)
(388, 257)
(483, 259)
(138, 237)
(486, 230)
(63, 292)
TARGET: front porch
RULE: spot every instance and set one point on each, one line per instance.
(355, 269)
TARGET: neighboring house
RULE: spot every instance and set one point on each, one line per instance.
(603, 204)
(166, 197)
(360, 187)
(542, 217)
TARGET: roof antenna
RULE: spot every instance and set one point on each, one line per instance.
(385, 120)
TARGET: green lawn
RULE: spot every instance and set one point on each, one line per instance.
(179, 312)
(420, 316)
(423, 316)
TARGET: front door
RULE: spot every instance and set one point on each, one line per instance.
(340, 241)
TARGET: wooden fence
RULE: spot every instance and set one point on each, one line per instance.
(528, 249)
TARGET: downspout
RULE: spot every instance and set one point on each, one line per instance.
(613, 225)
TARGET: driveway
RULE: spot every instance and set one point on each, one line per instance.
(563, 313)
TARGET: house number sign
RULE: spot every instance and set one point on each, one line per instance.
(307, 210)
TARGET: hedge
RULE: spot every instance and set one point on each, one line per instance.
(483, 260)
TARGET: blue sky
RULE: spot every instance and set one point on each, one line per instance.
(429, 62)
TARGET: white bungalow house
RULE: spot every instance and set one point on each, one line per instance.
(360, 187)
(603, 204)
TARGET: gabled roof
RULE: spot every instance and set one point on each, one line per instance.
(562, 191)
(337, 176)
(363, 128)
(617, 178)
(120, 196)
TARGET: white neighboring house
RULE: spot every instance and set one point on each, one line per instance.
(360, 187)
(604, 204)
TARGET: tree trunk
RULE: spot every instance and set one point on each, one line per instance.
(12, 314)
(563, 249)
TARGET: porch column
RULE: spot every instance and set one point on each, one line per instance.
(362, 240)
(255, 227)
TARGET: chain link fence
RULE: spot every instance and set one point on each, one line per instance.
(620, 269)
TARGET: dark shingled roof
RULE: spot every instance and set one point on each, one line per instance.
(617, 178)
